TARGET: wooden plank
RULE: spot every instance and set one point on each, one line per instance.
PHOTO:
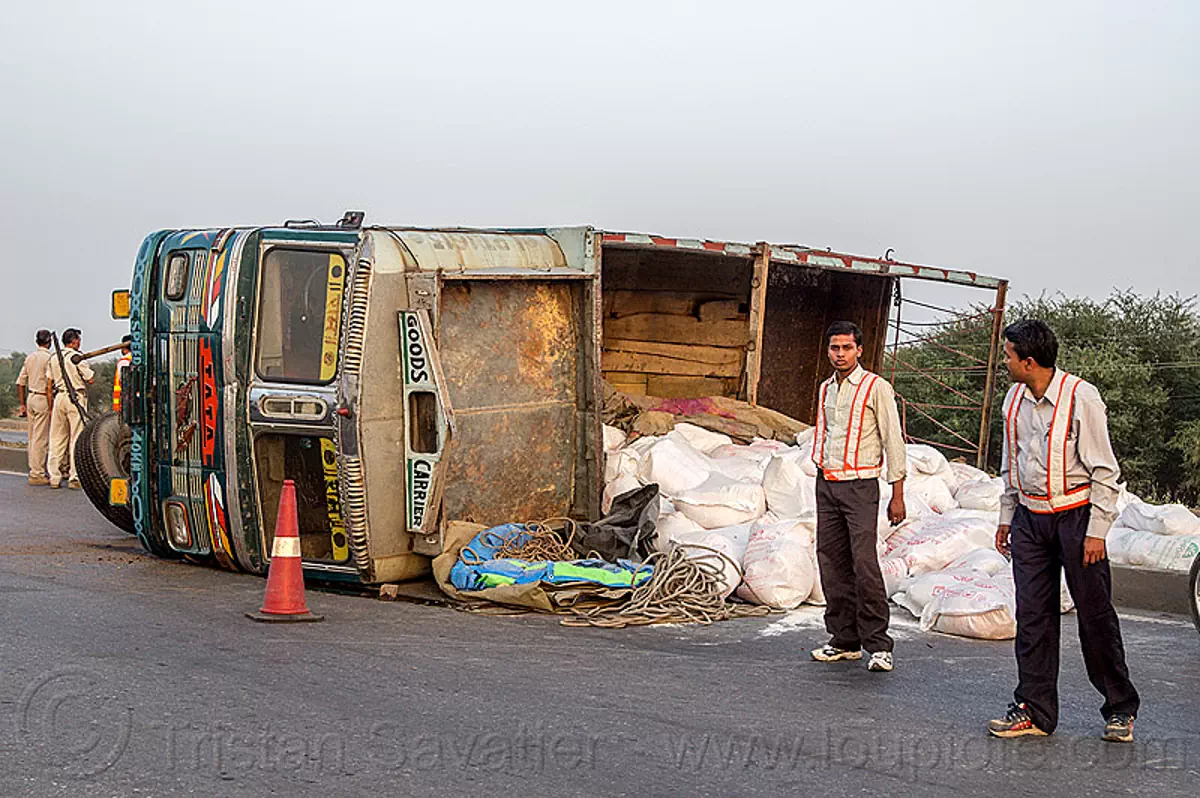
(677, 330)
(633, 389)
(624, 376)
(694, 352)
(721, 309)
(758, 307)
(628, 303)
(657, 364)
(671, 387)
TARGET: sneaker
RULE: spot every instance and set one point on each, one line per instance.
(55, 485)
(881, 661)
(828, 653)
(74, 485)
(1119, 729)
(1015, 723)
(35, 481)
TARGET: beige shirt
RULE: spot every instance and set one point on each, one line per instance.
(80, 374)
(1089, 457)
(33, 372)
(881, 431)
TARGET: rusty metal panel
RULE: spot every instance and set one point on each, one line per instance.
(511, 355)
(508, 343)
(512, 464)
(466, 251)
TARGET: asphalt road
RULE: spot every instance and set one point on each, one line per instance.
(125, 675)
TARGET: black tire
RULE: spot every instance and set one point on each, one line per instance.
(1194, 592)
(101, 455)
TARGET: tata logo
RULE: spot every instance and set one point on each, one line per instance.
(415, 356)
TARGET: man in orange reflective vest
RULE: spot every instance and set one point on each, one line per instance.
(1060, 499)
(857, 425)
(122, 363)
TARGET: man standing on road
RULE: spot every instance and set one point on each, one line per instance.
(857, 424)
(1059, 501)
(65, 420)
(35, 407)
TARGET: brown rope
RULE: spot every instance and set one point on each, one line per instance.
(684, 588)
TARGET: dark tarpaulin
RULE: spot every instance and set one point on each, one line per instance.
(628, 531)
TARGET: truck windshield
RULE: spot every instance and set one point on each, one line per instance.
(299, 315)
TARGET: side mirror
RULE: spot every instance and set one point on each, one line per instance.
(120, 304)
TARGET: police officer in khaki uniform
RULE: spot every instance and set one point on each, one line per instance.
(65, 421)
(35, 407)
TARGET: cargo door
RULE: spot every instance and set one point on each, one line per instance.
(510, 350)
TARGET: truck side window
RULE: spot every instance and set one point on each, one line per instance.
(177, 276)
(299, 315)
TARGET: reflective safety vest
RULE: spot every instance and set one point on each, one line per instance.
(851, 468)
(122, 363)
(1055, 496)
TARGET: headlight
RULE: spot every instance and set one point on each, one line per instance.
(177, 526)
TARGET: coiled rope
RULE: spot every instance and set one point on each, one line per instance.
(535, 542)
(683, 588)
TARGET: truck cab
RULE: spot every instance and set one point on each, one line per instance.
(352, 361)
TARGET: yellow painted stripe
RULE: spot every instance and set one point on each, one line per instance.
(333, 315)
(286, 547)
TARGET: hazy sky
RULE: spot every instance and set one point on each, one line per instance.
(1053, 143)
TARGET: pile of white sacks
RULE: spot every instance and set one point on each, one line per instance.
(756, 504)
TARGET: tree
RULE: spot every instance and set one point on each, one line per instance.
(10, 368)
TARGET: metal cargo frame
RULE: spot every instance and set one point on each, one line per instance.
(797, 291)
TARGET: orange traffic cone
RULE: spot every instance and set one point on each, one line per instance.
(285, 578)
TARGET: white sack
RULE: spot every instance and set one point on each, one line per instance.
(932, 543)
(701, 546)
(895, 575)
(1124, 498)
(931, 491)
(613, 438)
(817, 596)
(699, 438)
(621, 463)
(740, 462)
(928, 461)
(967, 473)
(980, 494)
(790, 491)
(985, 561)
(778, 567)
(674, 466)
(971, 604)
(1147, 550)
(671, 526)
(1166, 519)
(721, 502)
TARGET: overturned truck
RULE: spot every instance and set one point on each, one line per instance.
(403, 378)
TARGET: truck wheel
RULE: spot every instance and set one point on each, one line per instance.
(1194, 592)
(101, 455)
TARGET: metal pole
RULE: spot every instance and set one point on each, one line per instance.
(989, 385)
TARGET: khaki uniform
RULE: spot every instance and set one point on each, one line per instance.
(33, 377)
(65, 423)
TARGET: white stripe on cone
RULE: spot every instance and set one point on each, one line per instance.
(285, 547)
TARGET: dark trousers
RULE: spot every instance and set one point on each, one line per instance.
(856, 605)
(1042, 546)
